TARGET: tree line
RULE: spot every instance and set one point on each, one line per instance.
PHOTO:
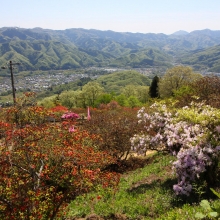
(177, 81)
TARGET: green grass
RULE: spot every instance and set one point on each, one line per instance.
(145, 193)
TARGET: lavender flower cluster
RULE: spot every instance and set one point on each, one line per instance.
(192, 134)
(190, 164)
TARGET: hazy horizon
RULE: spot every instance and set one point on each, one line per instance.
(139, 16)
(107, 30)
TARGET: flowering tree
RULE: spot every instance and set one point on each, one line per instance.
(44, 165)
(192, 134)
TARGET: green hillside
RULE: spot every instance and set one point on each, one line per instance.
(143, 58)
(114, 82)
(204, 59)
(46, 55)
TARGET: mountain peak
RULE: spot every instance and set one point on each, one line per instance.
(180, 32)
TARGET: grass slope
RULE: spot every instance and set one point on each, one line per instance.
(144, 193)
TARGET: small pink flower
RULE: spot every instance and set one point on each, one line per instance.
(88, 114)
(71, 129)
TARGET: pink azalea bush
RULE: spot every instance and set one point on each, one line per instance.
(192, 134)
(70, 115)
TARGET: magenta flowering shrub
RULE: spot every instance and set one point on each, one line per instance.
(70, 115)
(192, 134)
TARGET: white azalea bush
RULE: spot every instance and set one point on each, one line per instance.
(192, 134)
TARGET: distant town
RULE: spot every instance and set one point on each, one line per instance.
(39, 82)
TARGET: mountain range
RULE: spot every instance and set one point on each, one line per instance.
(45, 49)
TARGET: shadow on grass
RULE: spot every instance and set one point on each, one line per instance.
(198, 193)
(131, 164)
(166, 188)
(142, 186)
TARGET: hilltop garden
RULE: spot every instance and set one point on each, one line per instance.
(144, 153)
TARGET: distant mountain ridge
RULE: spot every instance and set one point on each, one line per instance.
(46, 49)
(180, 32)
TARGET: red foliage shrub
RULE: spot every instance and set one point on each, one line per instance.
(115, 127)
(59, 108)
(205, 89)
(43, 166)
(208, 90)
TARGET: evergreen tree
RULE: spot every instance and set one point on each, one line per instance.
(153, 90)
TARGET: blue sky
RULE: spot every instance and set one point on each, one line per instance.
(143, 16)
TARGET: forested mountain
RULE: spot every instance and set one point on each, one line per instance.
(203, 59)
(77, 48)
(50, 54)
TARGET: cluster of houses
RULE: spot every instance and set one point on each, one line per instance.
(41, 82)
(38, 82)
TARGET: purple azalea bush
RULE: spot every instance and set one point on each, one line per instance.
(192, 134)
